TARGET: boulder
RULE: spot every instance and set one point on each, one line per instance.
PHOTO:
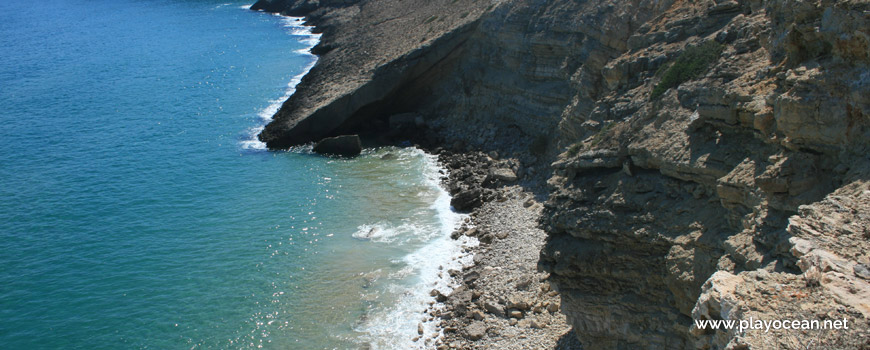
(472, 232)
(518, 302)
(494, 309)
(438, 296)
(862, 270)
(470, 277)
(537, 324)
(502, 174)
(553, 307)
(477, 315)
(486, 239)
(345, 146)
(476, 330)
(467, 200)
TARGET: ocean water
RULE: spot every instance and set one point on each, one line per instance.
(138, 211)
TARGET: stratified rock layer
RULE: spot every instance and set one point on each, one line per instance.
(722, 173)
(383, 46)
(741, 192)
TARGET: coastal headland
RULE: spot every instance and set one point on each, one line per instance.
(630, 166)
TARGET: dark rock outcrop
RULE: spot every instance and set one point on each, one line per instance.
(344, 146)
(299, 7)
(389, 50)
(468, 173)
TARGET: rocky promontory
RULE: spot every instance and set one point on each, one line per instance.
(371, 53)
(696, 160)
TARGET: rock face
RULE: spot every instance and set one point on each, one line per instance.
(345, 146)
(668, 210)
(300, 7)
(384, 46)
(406, 120)
(741, 191)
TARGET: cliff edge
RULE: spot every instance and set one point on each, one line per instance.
(368, 51)
(700, 160)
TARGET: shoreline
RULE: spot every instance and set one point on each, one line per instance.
(393, 327)
(431, 329)
(501, 300)
(298, 27)
(481, 291)
(661, 196)
(457, 253)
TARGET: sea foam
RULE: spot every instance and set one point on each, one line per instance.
(296, 27)
(396, 326)
(382, 232)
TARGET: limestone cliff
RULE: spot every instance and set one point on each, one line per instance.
(729, 171)
(705, 159)
(369, 51)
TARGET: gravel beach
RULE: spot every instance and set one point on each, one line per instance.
(501, 301)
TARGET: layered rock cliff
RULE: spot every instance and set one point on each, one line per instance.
(666, 202)
(371, 52)
(704, 159)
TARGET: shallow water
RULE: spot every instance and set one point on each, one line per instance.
(139, 211)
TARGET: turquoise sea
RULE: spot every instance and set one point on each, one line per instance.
(138, 211)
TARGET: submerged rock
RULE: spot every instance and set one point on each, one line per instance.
(345, 146)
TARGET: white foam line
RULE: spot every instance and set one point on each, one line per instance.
(396, 329)
(296, 26)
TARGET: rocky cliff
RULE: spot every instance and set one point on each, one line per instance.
(711, 198)
(704, 159)
(370, 52)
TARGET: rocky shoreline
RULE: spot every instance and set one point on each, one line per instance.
(501, 301)
(702, 160)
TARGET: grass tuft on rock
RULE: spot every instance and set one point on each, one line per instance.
(575, 148)
(692, 63)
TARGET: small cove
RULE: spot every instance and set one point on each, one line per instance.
(139, 211)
